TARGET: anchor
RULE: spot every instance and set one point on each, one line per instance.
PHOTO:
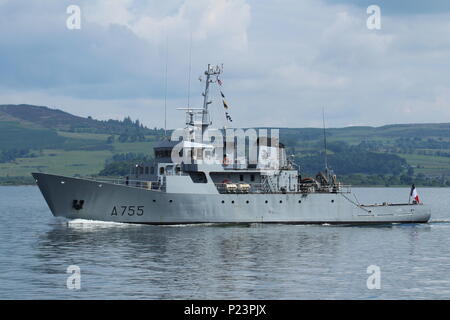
(77, 204)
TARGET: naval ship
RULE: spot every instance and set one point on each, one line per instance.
(200, 177)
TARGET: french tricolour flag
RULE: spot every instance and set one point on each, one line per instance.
(414, 194)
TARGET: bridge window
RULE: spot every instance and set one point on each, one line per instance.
(198, 177)
(161, 170)
(252, 177)
(241, 177)
(146, 170)
(163, 153)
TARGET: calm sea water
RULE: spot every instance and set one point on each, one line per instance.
(119, 261)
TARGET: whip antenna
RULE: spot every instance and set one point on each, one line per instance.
(165, 87)
(190, 65)
(325, 140)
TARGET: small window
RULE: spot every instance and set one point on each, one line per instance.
(161, 170)
(198, 177)
(152, 170)
(146, 170)
(241, 177)
(252, 177)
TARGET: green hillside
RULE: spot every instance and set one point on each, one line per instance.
(44, 117)
(34, 138)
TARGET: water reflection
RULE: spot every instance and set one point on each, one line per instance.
(216, 262)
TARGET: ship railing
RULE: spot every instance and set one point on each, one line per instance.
(240, 188)
(143, 184)
(340, 188)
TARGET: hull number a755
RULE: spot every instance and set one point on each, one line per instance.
(127, 210)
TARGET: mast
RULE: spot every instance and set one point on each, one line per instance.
(211, 71)
(193, 115)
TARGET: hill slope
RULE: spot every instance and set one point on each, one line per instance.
(44, 117)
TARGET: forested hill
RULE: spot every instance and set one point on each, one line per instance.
(59, 120)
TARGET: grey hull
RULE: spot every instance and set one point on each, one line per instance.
(119, 203)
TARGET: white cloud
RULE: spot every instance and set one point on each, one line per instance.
(284, 60)
(208, 20)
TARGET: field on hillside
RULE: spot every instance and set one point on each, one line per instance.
(428, 165)
(72, 162)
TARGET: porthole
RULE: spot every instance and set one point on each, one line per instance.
(299, 201)
(247, 201)
(332, 201)
(232, 201)
(266, 201)
(223, 201)
(281, 201)
(154, 200)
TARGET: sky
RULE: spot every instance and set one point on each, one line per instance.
(284, 60)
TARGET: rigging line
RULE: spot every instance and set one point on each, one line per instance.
(190, 66)
(356, 204)
(165, 87)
